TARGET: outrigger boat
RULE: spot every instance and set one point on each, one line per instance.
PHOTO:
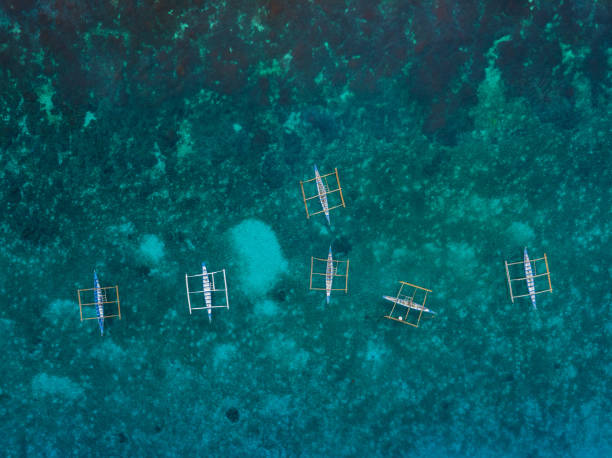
(209, 287)
(532, 269)
(330, 269)
(99, 303)
(529, 278)
(318, 188)
(322, 195)
(414, 300)
(409, 303)
(329, 273)
(103, 299)
(207, 292)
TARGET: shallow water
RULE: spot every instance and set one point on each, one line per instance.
(140, 139)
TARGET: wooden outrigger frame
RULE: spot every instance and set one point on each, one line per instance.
(408, 299)
(535, 275)
(104, 302)
(335, 273)
(213, 289)
(327, 191)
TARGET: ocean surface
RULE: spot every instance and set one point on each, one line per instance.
(140, 138)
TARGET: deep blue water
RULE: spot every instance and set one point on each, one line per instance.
(142, 138)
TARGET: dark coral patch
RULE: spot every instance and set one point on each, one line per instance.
(232, 414)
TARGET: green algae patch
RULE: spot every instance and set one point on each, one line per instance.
(45, 98)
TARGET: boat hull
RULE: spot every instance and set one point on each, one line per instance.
(99, 303)
(207, 291)
(329, 275)
(529, 278)
(408, 304)
(322, 193)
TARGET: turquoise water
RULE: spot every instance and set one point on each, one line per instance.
(140, 139)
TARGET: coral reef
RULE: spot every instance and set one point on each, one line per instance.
(140, 138)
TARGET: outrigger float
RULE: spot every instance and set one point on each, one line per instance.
(531, 276)
(323, 190)
(333, 269)
(415, 301)
(103, 299)
(211, 283)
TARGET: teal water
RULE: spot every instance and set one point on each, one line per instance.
(140, 139)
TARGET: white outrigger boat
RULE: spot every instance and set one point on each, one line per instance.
(529, 278)
(210, 284)
(322, 194)
(409, 303)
